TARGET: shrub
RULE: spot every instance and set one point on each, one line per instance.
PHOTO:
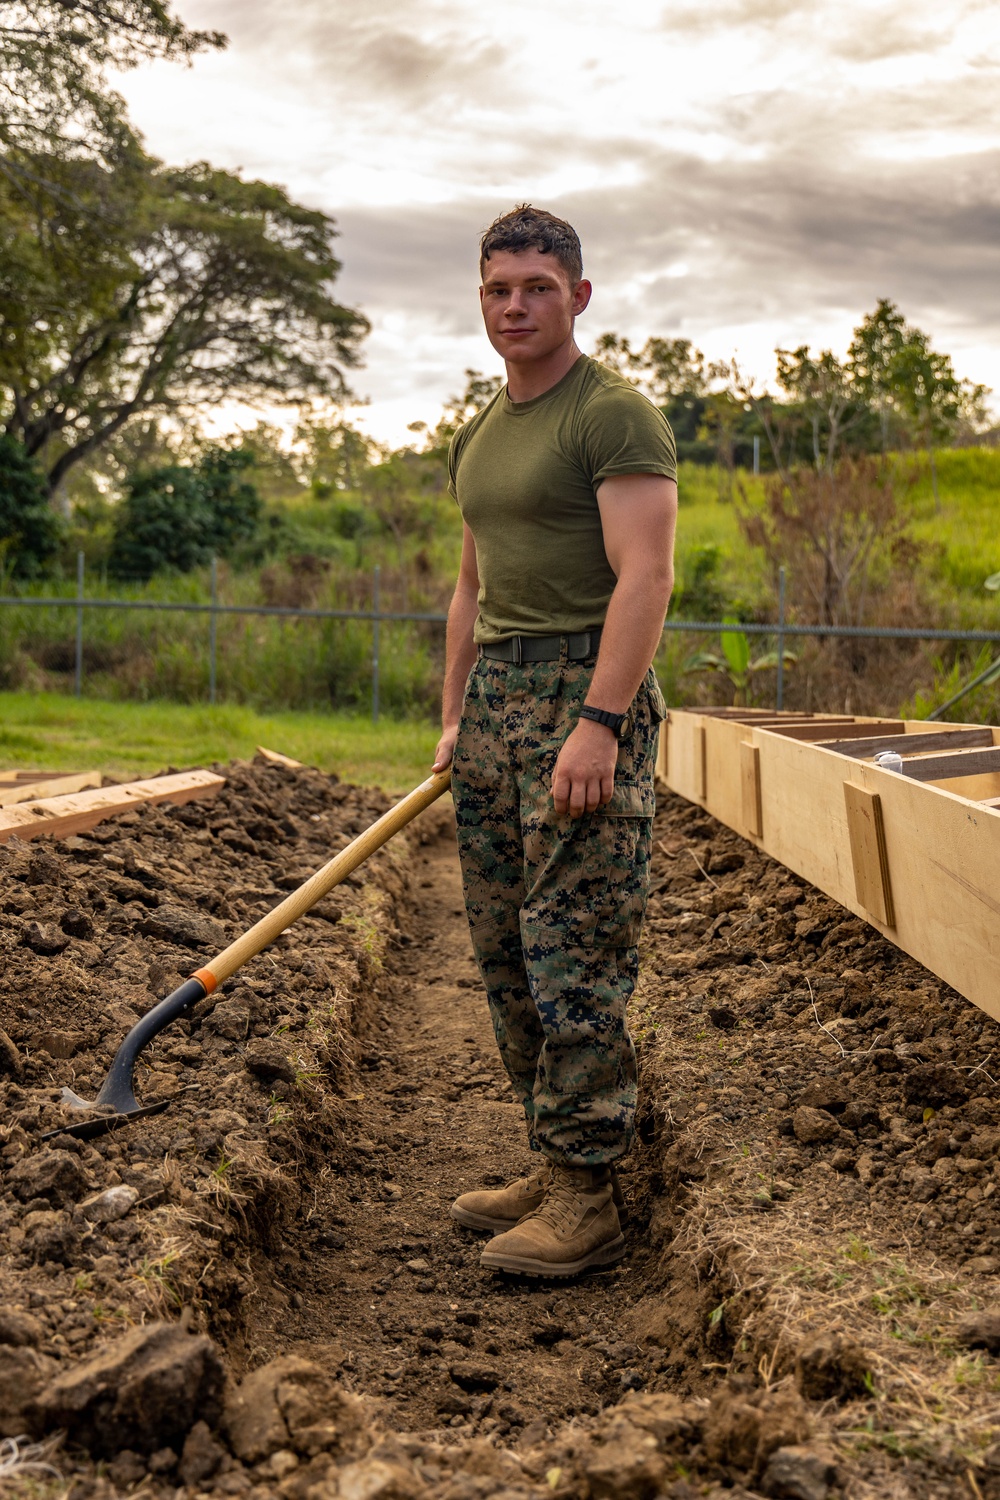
(175, 518)
(29, 528)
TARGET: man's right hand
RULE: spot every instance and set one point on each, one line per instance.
(445, 749)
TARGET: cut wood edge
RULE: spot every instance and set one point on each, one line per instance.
(275, 758)
(55, 786)
(60, 816)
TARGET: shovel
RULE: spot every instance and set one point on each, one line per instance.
(116, 1104)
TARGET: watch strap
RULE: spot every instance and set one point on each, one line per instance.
(603, 716)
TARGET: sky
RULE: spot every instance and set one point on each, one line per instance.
(744, 173)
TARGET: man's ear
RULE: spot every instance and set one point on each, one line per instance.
(582, 293)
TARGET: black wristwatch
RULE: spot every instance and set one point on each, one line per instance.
(619, 724)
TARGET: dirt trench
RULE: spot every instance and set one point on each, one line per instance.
(259, 1292)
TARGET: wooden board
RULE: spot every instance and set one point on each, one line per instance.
(22, 777)
(54, 786)
(915, 744)
(950, 767)
(941, 850)
(275, 758)
(61, 816)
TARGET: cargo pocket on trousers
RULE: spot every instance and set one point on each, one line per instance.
(628, 824)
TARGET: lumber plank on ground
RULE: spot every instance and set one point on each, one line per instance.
(915, 744)
(941, 850)
(22, 777)
(55, 786)
(61, 816)
(276, 758)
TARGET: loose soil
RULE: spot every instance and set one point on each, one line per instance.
(259, 1292)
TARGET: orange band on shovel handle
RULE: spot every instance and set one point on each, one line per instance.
(207, 978)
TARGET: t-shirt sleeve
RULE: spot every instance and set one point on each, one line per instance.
(623, 433)
(453, 466)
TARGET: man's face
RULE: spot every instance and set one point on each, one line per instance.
(529, 304)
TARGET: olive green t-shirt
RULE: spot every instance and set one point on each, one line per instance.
(525, 475)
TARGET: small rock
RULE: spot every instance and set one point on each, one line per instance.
(111, 1205)
(145, 1391)
(201, 1455)
(418, 1266)
(76, 924)
(373, 1479)
(842, 1161)
(266, 1061)
(61, 1044)
(44, 940)
(473, 1376)
(797, 1473)
(813, 1126)
(980, 1330)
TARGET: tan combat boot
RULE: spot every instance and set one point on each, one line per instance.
(575, 1227)
(500, 1208)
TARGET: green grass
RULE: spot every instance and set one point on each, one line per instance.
(50, 732)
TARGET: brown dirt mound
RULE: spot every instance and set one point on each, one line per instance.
(259, 1292)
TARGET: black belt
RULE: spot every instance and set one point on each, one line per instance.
(520, 648)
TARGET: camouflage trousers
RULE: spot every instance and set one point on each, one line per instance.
(555, 903)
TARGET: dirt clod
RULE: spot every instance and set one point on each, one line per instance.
(144, 1391)
(798, 1473)
(832, 1367)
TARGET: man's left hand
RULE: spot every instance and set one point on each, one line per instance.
(584, 775)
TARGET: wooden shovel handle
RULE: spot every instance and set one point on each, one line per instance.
(316, 887)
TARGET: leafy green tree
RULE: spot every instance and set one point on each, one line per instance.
(177, 517)
(29, 530)
(874, 346)
(931, 398)
(54, 94)
(824, 391)
(210, 289)
(336, 455)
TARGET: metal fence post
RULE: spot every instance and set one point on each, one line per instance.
(756, 455)
(376, 622)
(78, 661)
(780, 695)
(212, 631)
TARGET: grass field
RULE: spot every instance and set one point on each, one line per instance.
(55, 733)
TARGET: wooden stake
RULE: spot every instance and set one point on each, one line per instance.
(750, 784)
(276, 758)
(868, 854)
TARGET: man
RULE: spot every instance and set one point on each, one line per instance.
(567, 487)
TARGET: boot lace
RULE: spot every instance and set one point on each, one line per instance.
(561, 1205)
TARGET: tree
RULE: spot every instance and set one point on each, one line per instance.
(211, 289)
(337, 455)
(930, 396)
(178, 517)
(874, 346)
(826, 395)
(29, 531)
(54, 96)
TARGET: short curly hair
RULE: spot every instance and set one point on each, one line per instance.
(528, 228)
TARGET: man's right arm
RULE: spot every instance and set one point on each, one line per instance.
(460, 650)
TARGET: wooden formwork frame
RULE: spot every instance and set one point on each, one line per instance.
(917, 855)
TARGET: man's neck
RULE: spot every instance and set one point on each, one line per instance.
(525, 382)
